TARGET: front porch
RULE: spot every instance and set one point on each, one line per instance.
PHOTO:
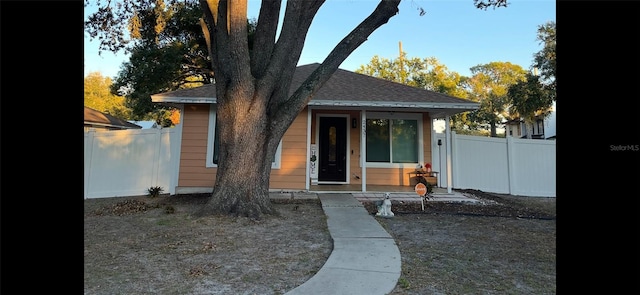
(398, 193)
(376, 193)
(357, 188)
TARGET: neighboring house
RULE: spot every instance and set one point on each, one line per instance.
(100, 121)
(543, 128)
(145, 124)
(395, 121)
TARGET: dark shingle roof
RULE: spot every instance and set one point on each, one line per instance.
(344, 88)
(350, 86)
(94, 117)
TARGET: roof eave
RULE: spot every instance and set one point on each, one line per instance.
(462, 107)
(177, 99)
(97, 124)
(447, 108)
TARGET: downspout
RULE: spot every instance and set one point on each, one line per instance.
(447, 138)
(363, 149)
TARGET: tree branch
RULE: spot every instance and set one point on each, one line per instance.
(381, 15)
(265, 36)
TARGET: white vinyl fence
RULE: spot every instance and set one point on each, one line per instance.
(524, 167)
(128, 162)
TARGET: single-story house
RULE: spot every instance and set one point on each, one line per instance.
(145, 124)
(99, 121)
(543, 128)
(363, 132)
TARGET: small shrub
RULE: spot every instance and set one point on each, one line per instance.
(169, 209)
(154, 191)
(404, 283)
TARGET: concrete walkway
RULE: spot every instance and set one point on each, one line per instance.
(365, 259)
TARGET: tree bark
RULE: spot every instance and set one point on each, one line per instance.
(494, 129)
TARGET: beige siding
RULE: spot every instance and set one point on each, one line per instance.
(193, 170)
(193, 154)
(354, 160)
(292, 172)
(426, 136)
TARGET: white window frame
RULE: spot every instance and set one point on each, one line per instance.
(399, 116)
(211, 141)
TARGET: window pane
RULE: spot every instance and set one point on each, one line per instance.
(332, 144)
(405, 141)
(378, 144)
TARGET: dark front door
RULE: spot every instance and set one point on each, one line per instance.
(332, 149)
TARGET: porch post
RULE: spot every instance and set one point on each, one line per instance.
(363, 149)
(447, 138)
(308, 168)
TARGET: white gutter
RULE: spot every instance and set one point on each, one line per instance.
(173, 99)
(337, 103)
(426, 105)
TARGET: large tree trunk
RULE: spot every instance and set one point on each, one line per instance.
(244, 165)
(494, 129)
(254, 108)
(528, 128)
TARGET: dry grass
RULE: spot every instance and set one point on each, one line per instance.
(141, 245)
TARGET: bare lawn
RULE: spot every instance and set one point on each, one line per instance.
(142, 245)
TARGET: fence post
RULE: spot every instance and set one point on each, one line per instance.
(156, 166)
(454, 158)
(88, 155)
(174, 139)
(510, 168)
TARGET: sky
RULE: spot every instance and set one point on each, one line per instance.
(456, 33)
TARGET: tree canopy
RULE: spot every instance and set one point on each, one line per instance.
(168, 52)
(98, 97)
(545, 59)
(533, 97)
(426, 73)
(528, 100)
(488, 85)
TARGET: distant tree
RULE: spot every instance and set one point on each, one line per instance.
(545, 59)
(168, 52)
(254, 108)
(488, 85)
(174, 117)
(426, 73)
(529, 100)
(98, 96)
(533, 98)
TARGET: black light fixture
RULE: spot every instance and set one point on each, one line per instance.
(354, 123)
(439, 161)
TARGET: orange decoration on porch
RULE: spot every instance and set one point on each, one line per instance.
(421, 189)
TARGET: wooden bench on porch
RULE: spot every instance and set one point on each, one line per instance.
(420, 176)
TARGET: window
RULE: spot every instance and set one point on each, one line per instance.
(393, 139)
(540, 124)
(213, 143)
